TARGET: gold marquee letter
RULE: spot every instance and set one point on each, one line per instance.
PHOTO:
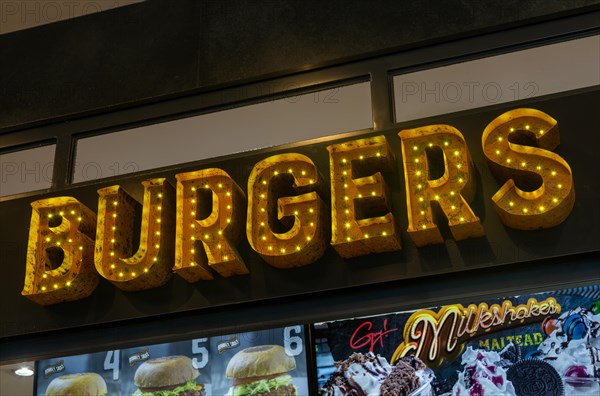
(514, 160)
(151, 265)
(362, 222)
(210, 223)
(298, 236)
(60, 252)
(452, 191)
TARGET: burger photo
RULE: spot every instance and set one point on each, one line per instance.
(81, 384)
(167, 376)
(261, 371)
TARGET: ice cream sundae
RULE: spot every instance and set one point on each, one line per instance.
(483, 375)
(370, 374)
(573, 349)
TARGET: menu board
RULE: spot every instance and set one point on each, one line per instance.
(234, 364)
(539, 344)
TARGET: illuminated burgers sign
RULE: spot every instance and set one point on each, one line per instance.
(193, 229)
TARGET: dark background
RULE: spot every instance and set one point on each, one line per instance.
(166, 59)
(579, 233)
(160, 49)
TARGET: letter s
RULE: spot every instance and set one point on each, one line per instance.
(516, 145)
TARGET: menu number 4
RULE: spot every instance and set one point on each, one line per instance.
(112, 362)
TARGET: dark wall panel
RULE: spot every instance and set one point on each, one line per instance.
(501, 246)
(158, 49)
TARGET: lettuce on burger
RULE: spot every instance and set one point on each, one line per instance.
(167, 376)
(261, 371)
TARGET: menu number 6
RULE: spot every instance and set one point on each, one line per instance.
(112, 362)
(292, 341)
(199, 349)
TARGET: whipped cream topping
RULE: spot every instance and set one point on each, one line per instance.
(482, 375)
(573, 349)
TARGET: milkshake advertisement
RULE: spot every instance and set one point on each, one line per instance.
(539, 344)
(268, 362)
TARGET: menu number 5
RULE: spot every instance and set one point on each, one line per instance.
(199, 349)
(112, 362)
(292, 340)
